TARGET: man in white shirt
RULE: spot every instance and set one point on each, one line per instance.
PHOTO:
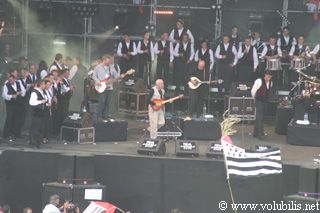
(286, 41)
(184, 52)
(261, 92)
(146, 58)
(177, 33)
(226, 54)
(126, 51)
(12, 94)
(52, 207)
(37, 102)
(248, 61)
(164, 51)
(58, 63)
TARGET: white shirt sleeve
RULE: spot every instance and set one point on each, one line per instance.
(279, 42)
(134, 49)
(23, 90)
(171, 36)
(5, 94)
(119, 49)
(257, 84)
(176, 50)
(264, 51)
(255, 58)
(240, 53)
(315, 49)
(234, 51)
(171, 52)
(156, 48)
(294, 41)
(217, 53)
(151, 51)
(293, 48)
(211, 59)
(139, 51)
(53, 67)
(190, 36)
(34, 99)
(43, 74)
(191, 52)
(196, 56)
(279, 52)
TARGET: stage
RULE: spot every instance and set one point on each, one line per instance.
(149, 183)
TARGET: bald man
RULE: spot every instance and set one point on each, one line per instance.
(156, 118)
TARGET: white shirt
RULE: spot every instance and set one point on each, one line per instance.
(134, 52)
(293, 48)
(34, 98)
(54, 67)
(255, 55)
(265, 50)
(157, 51)
(171, 36)
(287, 38)
(176, 50)
(50, 208)
(5, 91)
(196, 57)
(226, 46)
(73, 71)
(146, 44)
(65, 88)
(316, 49)
(257, 84)
(43, 74)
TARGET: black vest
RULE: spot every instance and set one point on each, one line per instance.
(24, 84)
(298, 51)
(186, 53)
(146, 56)
(31, 78)
(38, 110)
(124, 49)
(228, 53)
(66, 96)
(247, 58)
(58, 67)
(259, 46)
(284, 46)
(205, 57)
(263, 93)
(11, 91)
(176, 34)
(271, 52)
(166, 48)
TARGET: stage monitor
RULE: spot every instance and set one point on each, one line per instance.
(214, 150)
(152, 147)
(187, 149)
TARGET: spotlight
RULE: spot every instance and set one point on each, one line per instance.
(116, 27)
(59, 42)
(85, 10)
(163, 12)
(217, 6)
(214, 6)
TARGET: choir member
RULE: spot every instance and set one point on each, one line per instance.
(126, 51)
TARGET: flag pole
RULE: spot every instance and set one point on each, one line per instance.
(120, 210)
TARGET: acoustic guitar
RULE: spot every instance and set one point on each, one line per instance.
(159, 103)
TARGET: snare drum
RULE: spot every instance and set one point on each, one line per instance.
(298, 63)
(273, 64)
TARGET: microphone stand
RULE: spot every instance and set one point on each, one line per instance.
(209, 89)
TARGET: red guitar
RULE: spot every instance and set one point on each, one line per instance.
(159, 103)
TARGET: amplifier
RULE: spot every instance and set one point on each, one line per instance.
(77, 135)
(111, 131)
(242, 107)
(202, 129)
(239, 89)
(152, 147)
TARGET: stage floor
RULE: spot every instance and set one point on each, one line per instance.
(293, 155)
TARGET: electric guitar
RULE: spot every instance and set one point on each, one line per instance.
(159, 103)
(199, 82)
(100, 88)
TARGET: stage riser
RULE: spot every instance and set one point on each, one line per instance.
(142, 184)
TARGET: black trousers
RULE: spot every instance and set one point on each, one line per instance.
(126, 64)
(245, 72)
(12, 123)
(63, 110)
(196, 102)
(181, 74)
(55, 120)
(36, 130)
(259, 122)
(145, 70)
(163, 70)
(226, 73)
(47, 123)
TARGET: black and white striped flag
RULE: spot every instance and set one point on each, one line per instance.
(240, 162)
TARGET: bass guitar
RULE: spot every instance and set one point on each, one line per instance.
(100, 88)
(195, 82)
(159, 103)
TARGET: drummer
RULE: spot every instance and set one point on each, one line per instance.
(272, 51)
(298, 51)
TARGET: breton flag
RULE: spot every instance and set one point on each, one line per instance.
(100, 207)
(241, 162)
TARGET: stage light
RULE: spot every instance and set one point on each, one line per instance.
(217, 6)
(85, 10)
(59, 42)
(163, 12)
(116, 27)
(214, 6)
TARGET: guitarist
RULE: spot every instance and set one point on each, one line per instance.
(100, 72)
(197, 95)
(156, 118)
